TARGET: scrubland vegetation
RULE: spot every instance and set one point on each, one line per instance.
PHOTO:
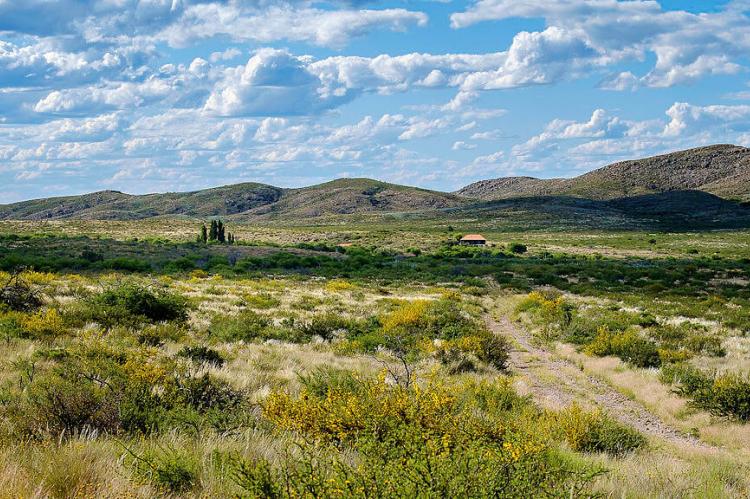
(300, 368)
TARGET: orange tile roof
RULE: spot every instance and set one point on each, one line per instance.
(473, 237)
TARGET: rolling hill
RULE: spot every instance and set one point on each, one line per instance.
(723, 170)
(240, 201)
(694, 188)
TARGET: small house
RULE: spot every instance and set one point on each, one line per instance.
(473, 240)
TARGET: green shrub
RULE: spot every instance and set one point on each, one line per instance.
(324, 325)
(494, 350)
(131, 304)
(245, 326)
(173, 470)
(261, 301)
(257, 478)
(706, 345)
(628, 346)
(157, 334)
(323, 379)
(597, 432)
(726, 394)
(517, 248)
(202, 355)
(413, 442)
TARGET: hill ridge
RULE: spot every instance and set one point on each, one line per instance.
(722, 170)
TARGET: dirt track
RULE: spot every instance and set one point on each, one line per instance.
(554, 382)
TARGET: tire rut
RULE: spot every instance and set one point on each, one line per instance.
(563, 382)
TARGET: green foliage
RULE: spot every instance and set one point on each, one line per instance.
(260, 301)
(597, 432)
(628, 346)
(550, 310)
(116, 389)
(131, 304)
(413, 442)
(158, 334)
(245, 326)
(726, 394)
(170, 469)
(203, 355)
(517, 248)
(18, 295)
(323, 379)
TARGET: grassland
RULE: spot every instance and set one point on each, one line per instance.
(399, 365)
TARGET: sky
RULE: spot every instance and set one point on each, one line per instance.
(174, 95)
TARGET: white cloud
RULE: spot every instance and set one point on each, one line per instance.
(273, 82)
(225, 55)
(620, 82)
(687, 46)
(331, 28)
(686, 118)
(460, 145)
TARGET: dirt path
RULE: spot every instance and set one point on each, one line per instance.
(556, 383)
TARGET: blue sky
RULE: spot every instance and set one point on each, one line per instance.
(172, 95)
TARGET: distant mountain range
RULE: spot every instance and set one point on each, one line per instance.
(706, 183)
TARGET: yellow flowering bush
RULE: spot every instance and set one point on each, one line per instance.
(412, 442)
(45, 324)
(339, 285)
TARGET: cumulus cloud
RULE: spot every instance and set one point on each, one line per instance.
(273, 82)
(686, 118)
(687, 46)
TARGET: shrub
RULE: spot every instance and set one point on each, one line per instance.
(324, 325)
(628, 346)
(727, 394)
(706, 345)
(18, 295)
(170, 469)
(517, 248)
(339, 285)
(414, 442)
(132, 304)
(158, 334)
(245, 326)
(551, 310)
(322, 380)
(597, 432)
(43, 325)
(257, 478)
(202, 355)
(261, 301)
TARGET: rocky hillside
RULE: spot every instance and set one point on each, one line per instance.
(723, 170)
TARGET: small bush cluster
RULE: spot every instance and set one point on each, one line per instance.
(629, 346)
(549, 310)
(441, 328)
(635, 337)
(131, 304)
(596, 432)
(96, 386)
(725, 394)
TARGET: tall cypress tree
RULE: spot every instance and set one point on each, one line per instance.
(220, 231)
(204, 234)
(212, 234)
